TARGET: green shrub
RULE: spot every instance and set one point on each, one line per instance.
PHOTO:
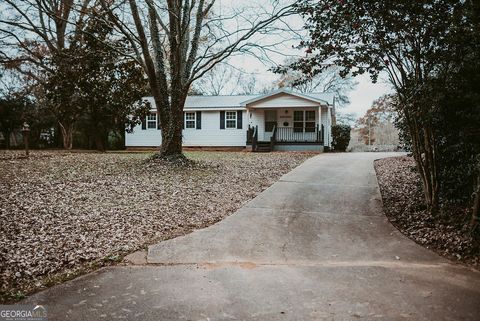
(340, 137)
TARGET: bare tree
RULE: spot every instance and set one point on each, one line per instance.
(386, 134)
(376, 126)
(179, 41)
(249, 85)
(31, 33)
(328, 80)
(222, 79)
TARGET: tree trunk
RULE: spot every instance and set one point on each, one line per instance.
(99, 145)
(476, 204)
(67, 135)
(424, 153)
(172, 131)
(99, 138)
(14, 138)
(7, 138)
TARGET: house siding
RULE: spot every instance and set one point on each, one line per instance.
(325, 121)
(210, 135)
(253, 114)
(143, 138)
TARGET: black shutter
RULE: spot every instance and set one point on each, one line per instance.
(239, 119)
(183, 121)
(222, 119)
(144, 123)
(158, 121)
(199, 119)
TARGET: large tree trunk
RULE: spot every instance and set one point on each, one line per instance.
(172, 128)
(67, 135)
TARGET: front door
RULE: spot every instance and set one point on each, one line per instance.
(270, 123)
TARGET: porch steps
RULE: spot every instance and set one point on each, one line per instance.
(263, 147)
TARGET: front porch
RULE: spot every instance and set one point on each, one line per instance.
(288, 119)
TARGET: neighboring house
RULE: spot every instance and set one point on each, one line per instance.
(281, 120)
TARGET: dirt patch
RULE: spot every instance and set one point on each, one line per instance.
(447, 235)
(63, 214)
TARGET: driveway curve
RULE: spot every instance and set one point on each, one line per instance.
(313, 246)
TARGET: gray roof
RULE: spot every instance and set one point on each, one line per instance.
(235, 101)
(216, 101)
(328, 97)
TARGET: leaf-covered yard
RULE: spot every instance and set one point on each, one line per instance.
(404, 204)
(63, 213)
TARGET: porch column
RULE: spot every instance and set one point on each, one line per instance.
(320, 123)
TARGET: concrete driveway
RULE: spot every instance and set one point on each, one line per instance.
(313, 246)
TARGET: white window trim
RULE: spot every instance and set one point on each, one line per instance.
(227, 119)
(194, 120)
(151, 121)
(304, 120)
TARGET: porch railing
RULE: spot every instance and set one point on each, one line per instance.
(287, 135)
(299, 135)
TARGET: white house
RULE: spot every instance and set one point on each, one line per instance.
(281, 120)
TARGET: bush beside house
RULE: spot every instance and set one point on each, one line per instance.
(340, 137)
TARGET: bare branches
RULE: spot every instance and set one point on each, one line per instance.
(211, 57)
(32, 31)
(175, 41)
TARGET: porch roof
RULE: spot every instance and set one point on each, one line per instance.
(320, 98)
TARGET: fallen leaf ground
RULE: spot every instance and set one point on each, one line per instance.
(402, 194)
(63, 214)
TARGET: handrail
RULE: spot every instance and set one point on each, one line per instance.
(255, 138)
(249, 134)
(323, 135)
(273, 138)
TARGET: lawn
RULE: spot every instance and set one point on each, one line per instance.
(63, 214)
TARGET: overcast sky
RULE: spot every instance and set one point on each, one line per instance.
(361, 98)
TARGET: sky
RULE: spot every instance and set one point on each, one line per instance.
(364, 94)
(361, 98)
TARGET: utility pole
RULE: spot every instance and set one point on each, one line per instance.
(369, 130)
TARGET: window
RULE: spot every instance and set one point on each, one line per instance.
(152, 121)
(309, 121)
(190, 120)
(304, 121)
(298, 121)
(231, 119)
(270, 120)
